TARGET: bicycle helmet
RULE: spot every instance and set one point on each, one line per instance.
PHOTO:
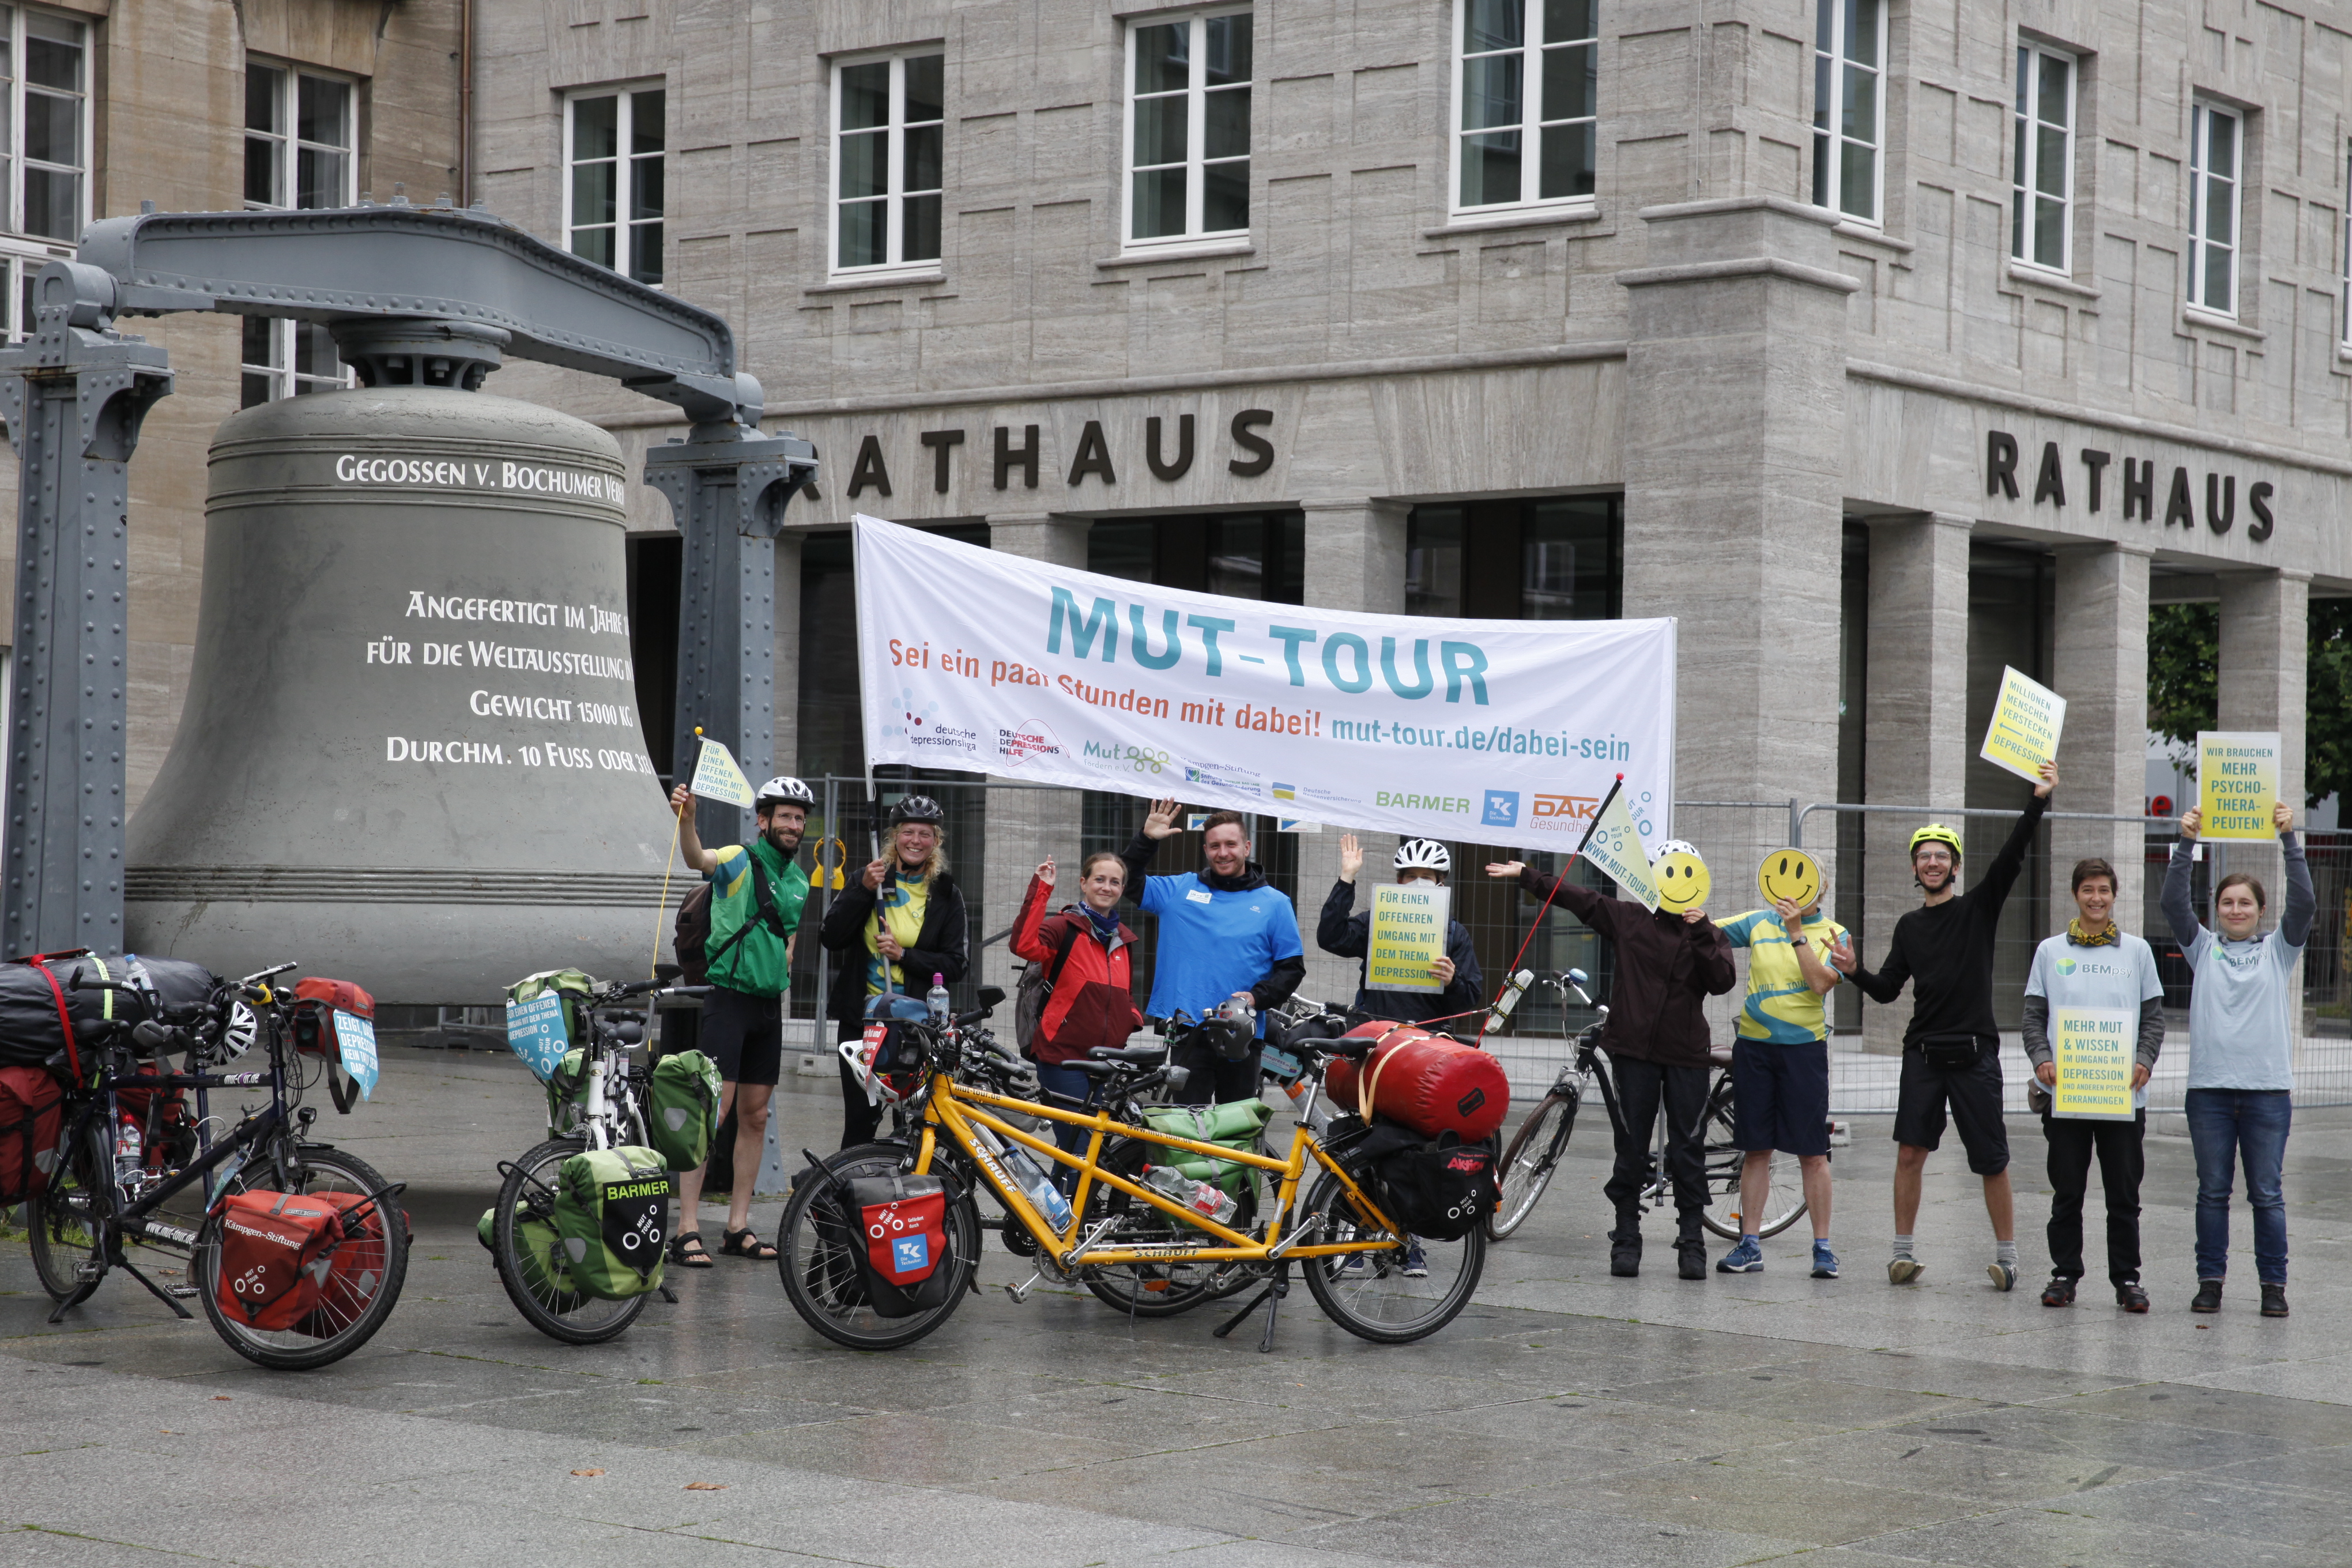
(1423, 854)
(918, 808)
(1676, 847)
(1937, 832)
(783, 791)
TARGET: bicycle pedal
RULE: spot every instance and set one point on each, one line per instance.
(1020, 1293)
(185, 1292)
(89, 1271)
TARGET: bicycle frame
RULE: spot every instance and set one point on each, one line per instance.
(956, 1108)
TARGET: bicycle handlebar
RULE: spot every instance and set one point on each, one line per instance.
(259, 976)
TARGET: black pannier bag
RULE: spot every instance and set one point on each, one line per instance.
(1439, 1189)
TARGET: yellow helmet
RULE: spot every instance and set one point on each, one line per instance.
(1937, 832)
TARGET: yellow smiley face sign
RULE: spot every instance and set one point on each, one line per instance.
(1683, 880)
(1789, 874)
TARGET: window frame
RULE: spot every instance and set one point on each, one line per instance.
(2025, 171)
(1827, 115)
(895, 196)
(278, 370)
(1195, 133)
(627, 161)
(23, 253)
(1531, 119)
(2201, 111)
(2345, 242)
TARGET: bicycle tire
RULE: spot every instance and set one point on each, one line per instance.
(354, 1322)
(63, 1240)
(1182, 1286)
(1784, 1188)
(1530, 1164)
(1346, 1293)
(813, 1257)
(573, 1317)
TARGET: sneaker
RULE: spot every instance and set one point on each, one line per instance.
(1747, 1258)
(2059, 1292)
(2207, 1298)
(2274, 1300)
(1824, 1261)
(2130, 1297)
(1415, 1266)
(1903, 1270)
(2003, 1275)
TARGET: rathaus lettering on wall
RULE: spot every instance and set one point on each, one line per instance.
(1168, 455)
(2139, 487)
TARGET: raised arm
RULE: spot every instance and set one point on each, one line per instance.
(2001, 875)
(2180, 909)
(2301, 903)
(1337, 931)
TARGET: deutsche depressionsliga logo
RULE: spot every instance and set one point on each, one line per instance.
(1502, 808)
(913, 722)
(1029, 738)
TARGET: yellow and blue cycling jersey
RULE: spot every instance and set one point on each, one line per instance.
(1781, 1008)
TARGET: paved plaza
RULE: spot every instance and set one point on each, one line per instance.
(1565, 1418)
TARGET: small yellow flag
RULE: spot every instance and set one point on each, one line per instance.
(1615, 847)
(716, 776)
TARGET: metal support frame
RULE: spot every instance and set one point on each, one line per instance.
(415, 296)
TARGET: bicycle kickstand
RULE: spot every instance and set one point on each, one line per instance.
(1271, 1299)
(161, 1293)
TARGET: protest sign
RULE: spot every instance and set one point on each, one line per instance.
(1495, 731)
(1407, 936)
(355, 1037)
(535, 1032)
(2095, 1050)
(716, 776)
(2026, 719)
(2237, 784)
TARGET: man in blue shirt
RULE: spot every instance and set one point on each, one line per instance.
(1225, 934)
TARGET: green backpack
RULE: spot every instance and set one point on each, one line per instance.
(543, 1273)
(567, 1094)
(1235, 1124)
(611, 1209)
(682, 1109)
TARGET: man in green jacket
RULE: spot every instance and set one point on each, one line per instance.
(756, 893)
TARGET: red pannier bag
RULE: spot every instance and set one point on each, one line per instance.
(355, 1265)
(904, 1223)
(274, 1258)
(1429, 1083)
(314, 1028)
(32, 1115)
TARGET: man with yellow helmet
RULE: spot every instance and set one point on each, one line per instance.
(1951, 1049)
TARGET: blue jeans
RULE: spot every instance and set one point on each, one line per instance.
(1072, 1139)
(2225, 1126)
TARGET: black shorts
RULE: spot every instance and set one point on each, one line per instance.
(1974, 1096)
(744, 1035)
(1780, 1096)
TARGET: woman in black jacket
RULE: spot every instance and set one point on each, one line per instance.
(899, 924)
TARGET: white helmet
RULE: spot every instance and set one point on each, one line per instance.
(1675, 847)
(787, 792)
(1423, 854)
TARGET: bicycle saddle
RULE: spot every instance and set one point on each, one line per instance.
(1133, 1056)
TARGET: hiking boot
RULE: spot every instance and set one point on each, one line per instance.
(1747, 1258)
(2059, 1292)
(1903, 1270)
(1625, 1254)
(1824, 1260)
(1690, 1258)
(2130, 1297)
(2004, 1276)
(2207, 1298)
(2274, 1300)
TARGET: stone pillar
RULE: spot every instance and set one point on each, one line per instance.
(1355, 561)
(2265, 641)
(1915, 725)
(2101, 669)
(1735, 463)
(788, 653)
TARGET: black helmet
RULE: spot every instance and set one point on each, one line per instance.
(918, 808)
(781, 791)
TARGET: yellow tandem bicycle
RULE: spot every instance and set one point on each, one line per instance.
(963, 1121)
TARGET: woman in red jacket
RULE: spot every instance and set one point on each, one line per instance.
(1092, 1003)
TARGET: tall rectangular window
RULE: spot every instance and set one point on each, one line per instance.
(1849, 107)
(2347, 248)
(44, 150)
(2216, 151)
(1527, 92)
(2042, 182)
(887, 116)
(1188, 128)
(613, 146)
(300, 152)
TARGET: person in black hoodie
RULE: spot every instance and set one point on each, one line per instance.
(1951, 1049)
(899, 924)
(1345, 933)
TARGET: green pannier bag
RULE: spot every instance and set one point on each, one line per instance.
(682, 1109)
(543, 1274)
(573, 984)
(1235, 1124)
(611, 1209)
(567, 1094)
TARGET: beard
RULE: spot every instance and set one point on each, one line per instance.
(785, 840)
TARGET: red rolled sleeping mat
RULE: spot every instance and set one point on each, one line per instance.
(1429, 1082)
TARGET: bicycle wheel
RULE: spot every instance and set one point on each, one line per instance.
(358, 1296)
(1529, 1163)
(1784, 1185)
(532, 1269)
(817, 1247)
(1146, 1290)
(1370, 1294)
(60, 1217)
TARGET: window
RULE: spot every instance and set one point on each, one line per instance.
(45, 149)
(887, 120)
(1552, 558)
(1188, 129)
(300, 153)
(2216, 139)
(1525, 77)
(613, 188)
(2041, 194)
(2347, 248)
(1849, 110)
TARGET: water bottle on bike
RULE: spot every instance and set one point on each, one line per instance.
(1205, 1198)
(1033, 1183)
(937, 1001)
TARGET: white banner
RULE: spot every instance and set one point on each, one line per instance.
(1494, 731)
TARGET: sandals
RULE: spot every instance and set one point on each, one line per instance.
(746, 1243)
(698, 1258)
